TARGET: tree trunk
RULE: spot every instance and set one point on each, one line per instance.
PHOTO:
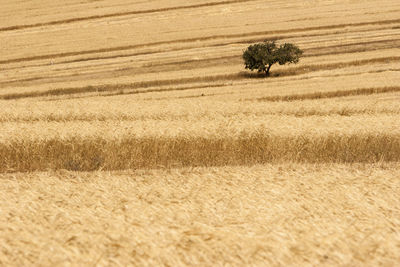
(267, 70)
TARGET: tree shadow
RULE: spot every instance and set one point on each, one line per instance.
(261, 75)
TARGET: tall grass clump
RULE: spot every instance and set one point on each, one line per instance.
(81, 154)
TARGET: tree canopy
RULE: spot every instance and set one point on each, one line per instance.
(262, 56)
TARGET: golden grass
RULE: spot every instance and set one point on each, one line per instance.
(119, 14)
(207, 126)
(138, 87)
(118, 87)
(338, 93)
(142, 153)
(320, 215)
(108, 66)
(117, 53)
(128, 108)
(125, 140)
(246, 38)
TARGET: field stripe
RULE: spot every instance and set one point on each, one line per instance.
(244, 41)
(189, 40)
(236, 59)
(116, 87)
(301, 112)
(332, 94)
(119, 14)
(199, 79)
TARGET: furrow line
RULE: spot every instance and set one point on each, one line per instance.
(189, 40)
(199, 79)
(119, 14)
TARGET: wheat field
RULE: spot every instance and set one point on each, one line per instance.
(131, 135)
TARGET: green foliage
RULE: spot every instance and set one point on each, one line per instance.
(262, 56)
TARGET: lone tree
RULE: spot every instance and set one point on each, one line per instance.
(262, 56)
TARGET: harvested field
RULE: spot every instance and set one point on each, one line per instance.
(130, 134)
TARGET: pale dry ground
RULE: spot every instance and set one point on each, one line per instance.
(341, 215)
(158, 87)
